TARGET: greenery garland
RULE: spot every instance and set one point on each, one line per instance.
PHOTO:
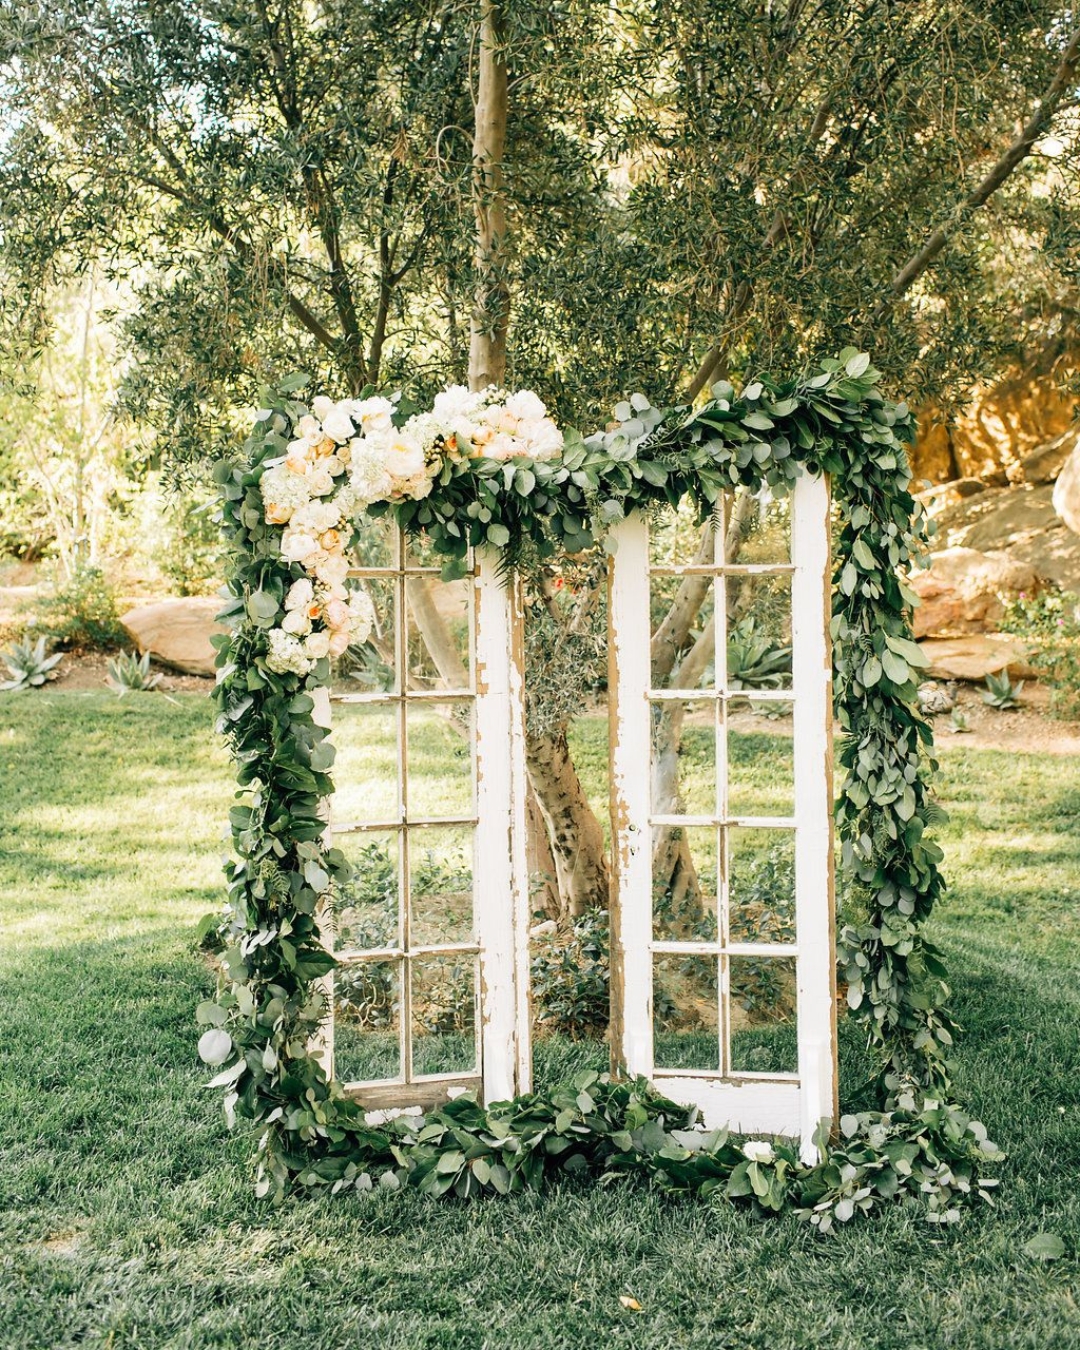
(832, 420)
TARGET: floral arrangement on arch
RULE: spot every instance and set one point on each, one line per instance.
(354, 453)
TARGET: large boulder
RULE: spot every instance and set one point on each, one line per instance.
(962, 589)
(1067, 491)
(1019, 520)
(1044, 465)
(975, 656)
(177, 631)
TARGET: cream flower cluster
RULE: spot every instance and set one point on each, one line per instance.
(348, 455)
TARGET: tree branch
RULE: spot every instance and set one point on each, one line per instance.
(1017, 152)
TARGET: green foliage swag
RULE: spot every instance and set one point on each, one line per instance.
(834, 421)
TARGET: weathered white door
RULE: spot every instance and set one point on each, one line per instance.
(431, 992)
(723, 984)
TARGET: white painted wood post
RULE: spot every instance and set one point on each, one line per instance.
(501, 879)
(815, 909)
(629, 671)
(322, 1043)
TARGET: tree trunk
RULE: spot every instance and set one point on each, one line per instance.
(574, 846)
(574, 833)
(491, 302)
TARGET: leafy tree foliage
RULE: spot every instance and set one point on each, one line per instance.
(693, 186)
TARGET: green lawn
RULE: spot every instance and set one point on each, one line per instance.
(127, 1212)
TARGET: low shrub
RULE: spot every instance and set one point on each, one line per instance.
(1049, 624)
(78, 613)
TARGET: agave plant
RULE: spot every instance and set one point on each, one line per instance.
(127, 672)
(754, 661)
(1001, 692)
(29, 666)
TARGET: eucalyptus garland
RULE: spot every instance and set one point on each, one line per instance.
(259, 1028)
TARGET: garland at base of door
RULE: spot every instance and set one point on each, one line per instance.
(260, 1026)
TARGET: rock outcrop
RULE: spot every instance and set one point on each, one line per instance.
(1067, 491)
(1020, 521)
(975, 656)
(177, 632)
(962, 590)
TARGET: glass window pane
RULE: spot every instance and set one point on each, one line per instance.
(758, 632)
(438, 633)
(676, 540)
(686, 1024)
(371, 667)
(439, 758)
(366, 907)
(758, 528)
(761, 885)
(366, 778)
(762, 1017)
(367, 1013)
(760, 758)
(683, 653)
(378, 542)
(420, 553)
(684, 757)
(684, 883)
(441, 885)
(444, 1014)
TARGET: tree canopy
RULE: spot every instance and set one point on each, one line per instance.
(691, 188)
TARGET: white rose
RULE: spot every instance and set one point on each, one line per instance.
(300, 594)
(298, 547)
(543, 438)
(322, 407)
(526, 406)
(373, 414)
(502, 447)
(757, 1150)
(402, 456)
(338, 424)
(332, 569)
(296, 622)
(317, 645)
(320, 481)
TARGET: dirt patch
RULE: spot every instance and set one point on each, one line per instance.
(79, 671)
(1029, 728)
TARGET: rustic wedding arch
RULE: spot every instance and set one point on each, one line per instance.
(265, 1025)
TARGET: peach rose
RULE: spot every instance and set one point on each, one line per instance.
(296, 462)
(330, 540)
(277, 515)
(339, 642)
(337, 614)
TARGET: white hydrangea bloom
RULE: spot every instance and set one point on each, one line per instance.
(283, 492)
(456, 404)
(286, 654)
(317, 517)
(368, 476)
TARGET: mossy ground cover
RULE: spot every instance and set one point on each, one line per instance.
(126, 1211)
